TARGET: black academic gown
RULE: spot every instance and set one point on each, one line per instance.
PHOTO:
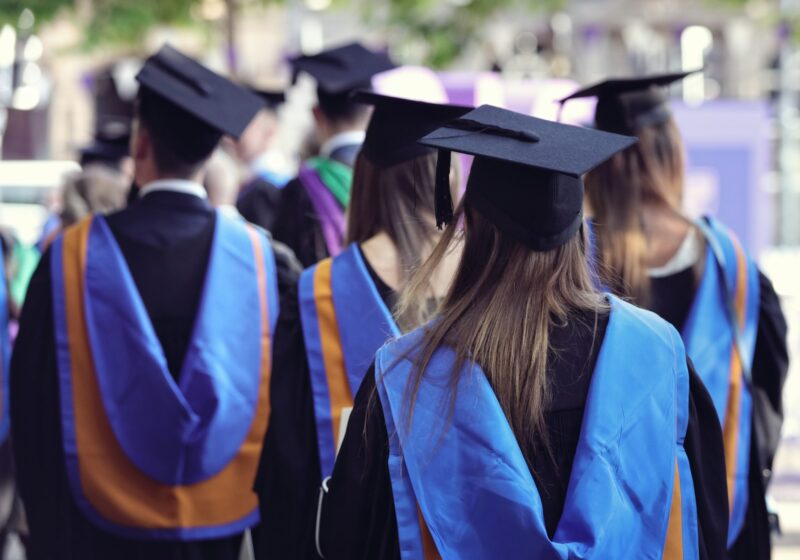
(289, 476)
(672, 297)
(259, 202)
(358, 518)
(165, 238)
(297, 224)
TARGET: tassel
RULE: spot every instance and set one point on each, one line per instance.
(443, 200)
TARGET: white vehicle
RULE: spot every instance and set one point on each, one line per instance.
(26, 188)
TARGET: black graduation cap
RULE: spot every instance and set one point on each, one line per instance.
(111, 143)
(190, 106)
(342, 69)
(626, 105)
(526, 176)
(272, 99)
(397, 123)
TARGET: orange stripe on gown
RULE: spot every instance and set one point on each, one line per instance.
(114, 486)
(730, 429)
(339, 390)
(673, 548)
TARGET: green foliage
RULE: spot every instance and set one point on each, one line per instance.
(42, 9)
(124, 22)
(446, 27)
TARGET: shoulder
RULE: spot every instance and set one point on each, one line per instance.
(644, 325)
(400, 349)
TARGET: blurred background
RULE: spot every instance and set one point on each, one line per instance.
(67, 83)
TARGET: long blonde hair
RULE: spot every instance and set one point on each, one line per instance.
(651, 172)
(498, 312)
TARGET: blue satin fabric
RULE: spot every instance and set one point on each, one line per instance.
(179, 433)
(365, 324)
(709, 341)
(473, 486)
(5, 355)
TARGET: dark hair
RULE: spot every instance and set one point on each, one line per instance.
(339, 107)
(181, 142)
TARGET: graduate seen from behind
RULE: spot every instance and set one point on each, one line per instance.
(325, 343)
(140, 379)
(697, 276)
(311, 218)
(533, 416)
(266, 166)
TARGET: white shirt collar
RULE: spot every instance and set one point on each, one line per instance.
(174, 185)
(342, 139)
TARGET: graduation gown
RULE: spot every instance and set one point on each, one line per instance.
(259, 202)
(297, 223)
(165, 238)
(289, 472)
(672, 298)
(358, 517)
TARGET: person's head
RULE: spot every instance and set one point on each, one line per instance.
(183, 109)
(339, 72)
(394, 177)
(259, 135)
(648, 176)
(336, 113)
(169, 143)
(95, 189)
(221, 180)
(524, 266)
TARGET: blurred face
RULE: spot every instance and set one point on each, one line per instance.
(255, 140)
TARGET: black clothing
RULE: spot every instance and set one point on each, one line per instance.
(259, 202)
(358, 518)
(289, 476)
(296, 223)
(165, 239)
(672, 297)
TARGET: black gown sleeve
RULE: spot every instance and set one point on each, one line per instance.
(704, 447)
(770, 367)
(259, 203)
(297, 226)
(288, 476)
(358, 520)
(34, 409)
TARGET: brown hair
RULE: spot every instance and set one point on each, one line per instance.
(651, 172)
(498, 312)
(393, 200)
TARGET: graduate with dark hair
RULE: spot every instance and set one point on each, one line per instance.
(312, 208)
(533, 416)
(698, 276)
(326, 339)
(140, 377)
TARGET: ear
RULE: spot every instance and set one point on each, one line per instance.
(319, 116)
(140, 142)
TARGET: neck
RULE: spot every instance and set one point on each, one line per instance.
(665, 229)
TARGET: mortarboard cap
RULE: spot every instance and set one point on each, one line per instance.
(396, 125)
(526, 176)
(189, 107)
(272, 99)
(626, 105)
(111, 143)
(342, 69)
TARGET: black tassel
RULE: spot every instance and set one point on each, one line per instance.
(444, 202)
